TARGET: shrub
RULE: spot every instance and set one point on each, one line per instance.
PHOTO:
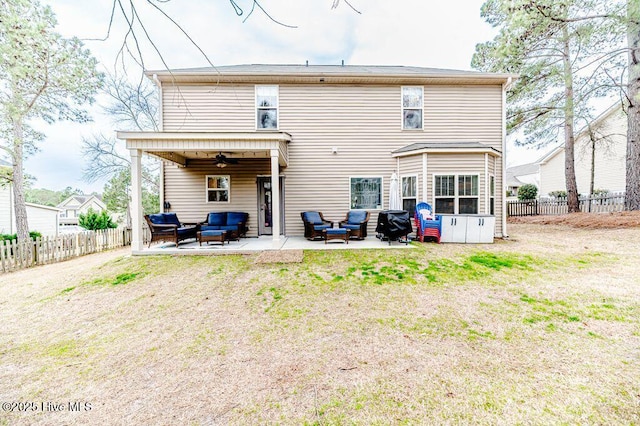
(558, 194)
(10, 237)
(94, 221)
(528, 191)
(600, 192)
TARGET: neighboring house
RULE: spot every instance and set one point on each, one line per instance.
(76, 205)
(520, 175)
(277, 140)
(43, 219)
(608, 163)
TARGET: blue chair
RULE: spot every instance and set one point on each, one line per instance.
(314, 224)
(428, 225)
(356, 222)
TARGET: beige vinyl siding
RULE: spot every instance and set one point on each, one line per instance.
(185, 187)
(363, 122)
(42, 220)
(610, 161)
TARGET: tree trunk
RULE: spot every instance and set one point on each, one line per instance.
(19, 206)
(569, 155)
(632, 196)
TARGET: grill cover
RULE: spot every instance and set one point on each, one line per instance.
(394, 224)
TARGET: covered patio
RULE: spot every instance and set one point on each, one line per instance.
(181, 148)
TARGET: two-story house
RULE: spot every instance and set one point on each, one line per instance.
(277, 140)
(78, 204)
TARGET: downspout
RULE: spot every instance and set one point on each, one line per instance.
(160, 126)
(505, 87)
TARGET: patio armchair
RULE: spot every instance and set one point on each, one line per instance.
(314, 224)
(235, 223)
(356, 222)
(167, 227)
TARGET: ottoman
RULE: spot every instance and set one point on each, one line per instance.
(212, 235)
(336, 234)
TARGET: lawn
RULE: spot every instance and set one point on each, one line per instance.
(543, 328)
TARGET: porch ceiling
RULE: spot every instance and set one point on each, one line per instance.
(180, 147)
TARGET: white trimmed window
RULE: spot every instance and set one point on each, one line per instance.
(365, 193)
(412, 107)
(266, 107)
(409, 193)
(457, 194)
(218, 188)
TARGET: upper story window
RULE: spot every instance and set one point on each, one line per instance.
(266, 107)
(412, 107)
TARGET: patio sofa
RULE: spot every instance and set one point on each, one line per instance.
(235, 223)
(167, 227)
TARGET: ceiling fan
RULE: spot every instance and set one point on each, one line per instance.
(222, 160)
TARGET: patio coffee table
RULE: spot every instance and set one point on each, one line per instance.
(213, 235)
(336, 234)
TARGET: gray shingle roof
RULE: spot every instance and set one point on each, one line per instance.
(442, 145)
(353, 70)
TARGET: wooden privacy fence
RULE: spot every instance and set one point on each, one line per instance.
(555, 206)
(14, 255)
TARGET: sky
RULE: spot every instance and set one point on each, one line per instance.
(428, 33)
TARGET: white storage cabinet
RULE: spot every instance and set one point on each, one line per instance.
(467, 228)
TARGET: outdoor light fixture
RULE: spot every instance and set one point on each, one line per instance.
(334, 150)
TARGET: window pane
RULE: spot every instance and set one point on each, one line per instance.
(412, 97)
(409, 204)
(468, 205)
(444, 205)
(267, 118)
(267, 96)
(445, 186)
(409, 186)
(218, 196)
(217, 182)
(412, 118)
(468, 185)
(366, 193)
(492, 186)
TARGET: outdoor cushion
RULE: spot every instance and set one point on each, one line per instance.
(157, 218)
(211, 233)
(186, 232)
(350, 226)
(235, 218)
(321, 227)
(229, 227)
(171, 218)
(336, 230)
(357, 216)
(217, 218)
(312, 217)
(209, 227)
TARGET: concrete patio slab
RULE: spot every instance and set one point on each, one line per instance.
(264, 243)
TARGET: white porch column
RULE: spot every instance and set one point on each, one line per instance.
(136, 200)
(275, 195)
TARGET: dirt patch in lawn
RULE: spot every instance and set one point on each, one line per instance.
(540, 328)
(585, 220)
(280, 256)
